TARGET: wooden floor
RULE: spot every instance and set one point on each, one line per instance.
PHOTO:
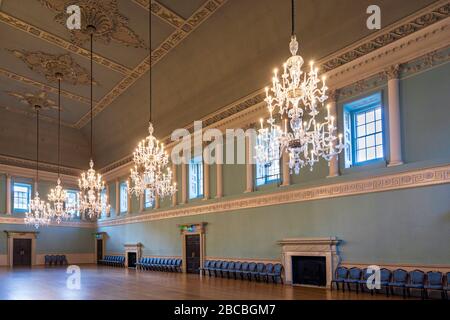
(117, 283)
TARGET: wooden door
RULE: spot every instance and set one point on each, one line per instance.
(99, 249)
(22, 252)
(192, 253)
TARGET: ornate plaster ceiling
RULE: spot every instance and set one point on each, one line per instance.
(206, 54)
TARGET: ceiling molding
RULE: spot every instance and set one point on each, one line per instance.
(200, 16)
(60, 42)
(27, 81)
(47, 172)
(381, 183)
(162, 12)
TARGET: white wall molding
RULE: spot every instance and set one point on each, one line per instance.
(73, 224)
(386, 182)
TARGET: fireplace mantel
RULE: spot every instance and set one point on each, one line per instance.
(318, 247)
(135, 247)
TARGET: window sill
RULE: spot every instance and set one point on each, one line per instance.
(377, 164)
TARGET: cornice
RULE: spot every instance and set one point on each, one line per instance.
(27, 169)
(399, 181)
(73, 224)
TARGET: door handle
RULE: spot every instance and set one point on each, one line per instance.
(193, 255)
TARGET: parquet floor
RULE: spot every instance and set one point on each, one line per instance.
(98, 282)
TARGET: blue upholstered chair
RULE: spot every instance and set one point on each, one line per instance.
(446, 288)
(251, 270)
(385, 278)
(354, 276)
(237, 269)
(231, 269)
(416, 282)
(211, 268)
(244, 270)
(268, 269)
(205, 267)
(217, 268)
(399, 279)
(178, 265)
(339, 277)
(276, 274)
(46, 259)
(259, 269)
(434, 282)
(224, 268)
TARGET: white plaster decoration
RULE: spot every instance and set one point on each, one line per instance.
(248, 166)
(307, 247)
(117, 197)
(184, 185)
(11, 235)
(136, 248)
(74, 224)
(334, 162)
(395, 135)
(174, 177)
(385, 182)
(8, 195)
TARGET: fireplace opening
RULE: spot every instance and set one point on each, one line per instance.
(131, 259)
(309, 271)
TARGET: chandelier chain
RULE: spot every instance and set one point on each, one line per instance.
(92, 80)
(293, 18)
(59, 127)
(37, 144)
(150, 63)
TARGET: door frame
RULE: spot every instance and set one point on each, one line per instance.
(11, 235)
(193, 229)
(102, 236)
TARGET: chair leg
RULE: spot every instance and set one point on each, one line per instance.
(404, 292)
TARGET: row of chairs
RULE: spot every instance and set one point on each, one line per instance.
(244, 270)
(55, 260)
(159, 264)
(114, 261)
(397, 279)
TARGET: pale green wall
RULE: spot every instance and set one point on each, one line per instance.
(54, 239)
(407, 226)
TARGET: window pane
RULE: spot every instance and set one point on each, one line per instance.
(360, 119)
(370, 116)
(370, 141)
(379, 127)
(21, 196)
(361, 155)
(370, 129)
(361, 143)
(123, 197)
(380, 152)
(378, 114)
(196, 178)
(370, 153)
(379, 139)
(361, 131)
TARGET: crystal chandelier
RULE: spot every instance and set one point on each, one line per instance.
(91, 184)
(57, 197)
(38, 211)
(299, 98)
(151, 176)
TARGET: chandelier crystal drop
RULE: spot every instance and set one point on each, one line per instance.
(91, 184)
(151, 177)
(57, 197)
(38, 213)
(299, 97)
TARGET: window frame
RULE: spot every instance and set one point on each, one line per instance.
(29, 195)
(200, 192)
(123, 188)
(147, 207)
(353, 111)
